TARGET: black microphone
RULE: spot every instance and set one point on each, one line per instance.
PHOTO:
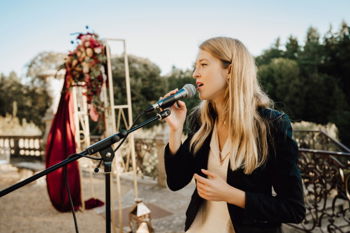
(187, 91)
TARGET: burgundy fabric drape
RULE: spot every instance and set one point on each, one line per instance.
(61, 144)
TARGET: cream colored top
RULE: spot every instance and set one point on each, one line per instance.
(213, 216)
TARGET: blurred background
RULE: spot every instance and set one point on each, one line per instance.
(302, 51)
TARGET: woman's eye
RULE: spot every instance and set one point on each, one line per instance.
(204, 64)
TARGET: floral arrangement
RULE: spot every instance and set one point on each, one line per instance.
(84, 66)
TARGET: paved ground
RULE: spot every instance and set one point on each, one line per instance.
(29, 210)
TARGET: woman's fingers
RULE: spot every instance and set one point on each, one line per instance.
(200, 178)
(202, 190)
(171, 92)
(201, 186)
(181, 103)
(209, 173)
(177, 104)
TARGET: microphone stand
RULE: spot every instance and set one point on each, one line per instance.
(104, 148)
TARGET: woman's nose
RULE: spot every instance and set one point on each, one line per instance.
(195, 73)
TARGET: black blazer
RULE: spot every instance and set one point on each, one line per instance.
(263, 212)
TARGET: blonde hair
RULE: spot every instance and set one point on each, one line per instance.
(243, 94)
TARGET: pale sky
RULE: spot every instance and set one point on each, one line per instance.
(166, 32)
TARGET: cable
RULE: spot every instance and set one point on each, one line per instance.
(70, 199)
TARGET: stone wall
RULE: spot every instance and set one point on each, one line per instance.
(12, 126)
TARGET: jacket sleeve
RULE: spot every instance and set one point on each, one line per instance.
(179, 167)
(288, 205)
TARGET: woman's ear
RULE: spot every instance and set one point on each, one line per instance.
(229, 70)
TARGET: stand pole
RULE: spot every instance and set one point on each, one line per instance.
(108, 202)
(107, 157)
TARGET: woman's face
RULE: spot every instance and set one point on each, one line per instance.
(210, 77)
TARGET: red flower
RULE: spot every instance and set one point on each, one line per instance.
(88, 56)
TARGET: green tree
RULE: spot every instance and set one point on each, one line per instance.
(274, 52)
(292, 48)
(32, 102)
(282, 82)
(42, 65)
(145, 82)
(312, 54)
(315, 87)
(30, 92)
(337, 57)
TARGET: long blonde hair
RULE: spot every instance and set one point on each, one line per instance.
(247, 130)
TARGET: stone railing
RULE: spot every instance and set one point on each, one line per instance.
(149, 157)
(318, 140)
(21, 148)
(325, 168)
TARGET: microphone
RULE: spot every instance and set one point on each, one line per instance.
(187, 91)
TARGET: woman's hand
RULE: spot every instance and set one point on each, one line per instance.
(177, 117)
(217, 189)
(212, 189)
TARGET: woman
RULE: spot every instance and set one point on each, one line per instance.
(239, 151)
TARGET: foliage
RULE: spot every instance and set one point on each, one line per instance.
(31, 101)
(311, 81)
(43, 64)
(146, 84)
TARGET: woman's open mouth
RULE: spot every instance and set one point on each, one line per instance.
(199, 85)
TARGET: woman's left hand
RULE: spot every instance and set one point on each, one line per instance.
(213, 189)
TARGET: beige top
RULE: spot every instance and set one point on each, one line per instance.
(213, 216)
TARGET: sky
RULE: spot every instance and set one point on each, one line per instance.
(166, 32)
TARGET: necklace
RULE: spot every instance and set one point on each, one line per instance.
(223, 159)
(224, 122)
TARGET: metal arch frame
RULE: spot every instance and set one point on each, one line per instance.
(116, 122)
(82, 121)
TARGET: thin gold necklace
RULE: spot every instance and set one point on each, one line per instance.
(223, 159)
(220, 157)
